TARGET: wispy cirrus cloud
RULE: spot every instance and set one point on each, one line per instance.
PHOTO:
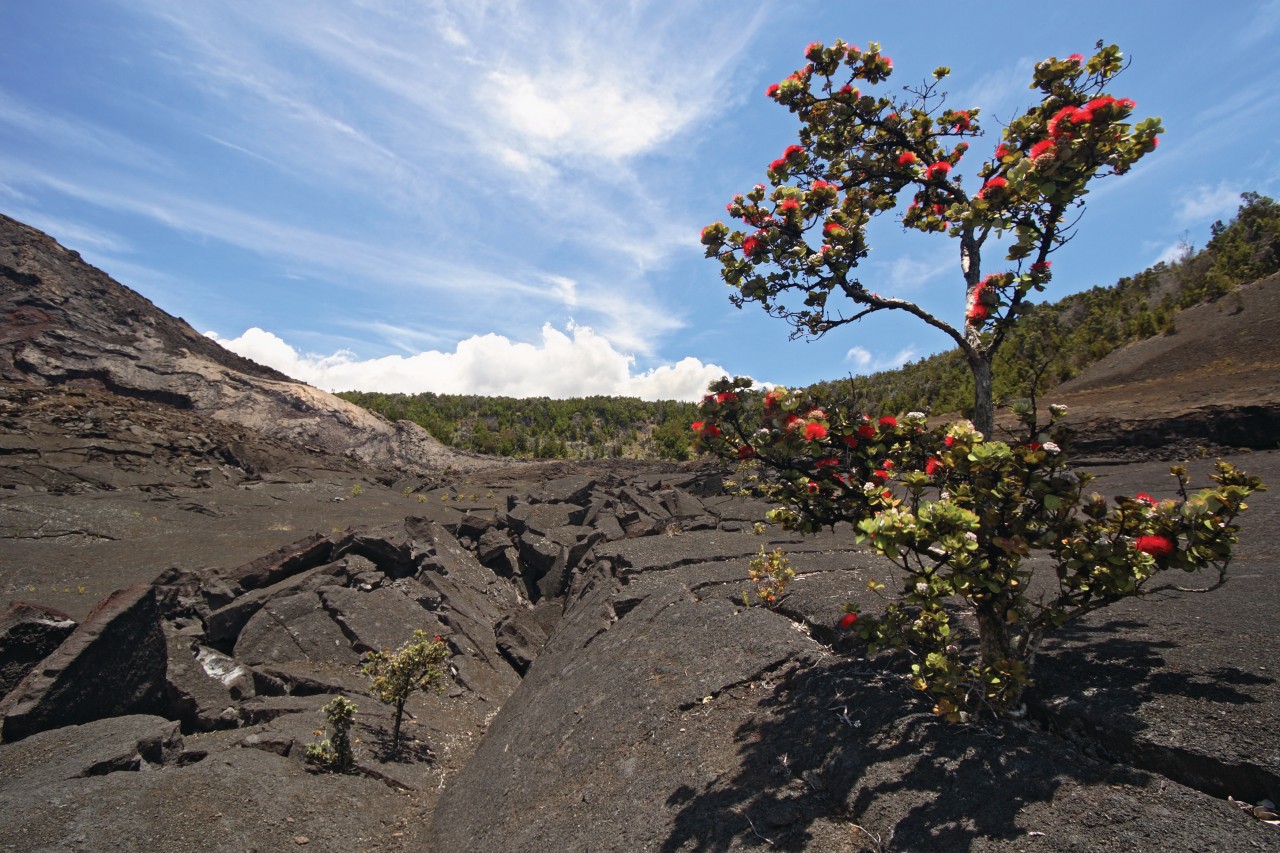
(1203, 202)
(519, 140)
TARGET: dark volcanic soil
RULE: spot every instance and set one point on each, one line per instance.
(608, 690)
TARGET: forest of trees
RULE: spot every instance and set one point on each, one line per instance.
(1052, 343)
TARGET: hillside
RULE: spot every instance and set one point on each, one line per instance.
(66, 323)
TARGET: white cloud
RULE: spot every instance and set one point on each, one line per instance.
(578, 363)
(909, 272)
(1204, 202)
(865, 362)
(1174, 252)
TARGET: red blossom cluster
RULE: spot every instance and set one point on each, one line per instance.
(1155, 545)
(992, 185)
(789, 156)
(937, 170)
(705, 429)
(981, 297)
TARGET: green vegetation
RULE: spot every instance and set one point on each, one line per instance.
(397, 675)
(541, 428)
(1052, 343)
(958, 516)
(335, 752)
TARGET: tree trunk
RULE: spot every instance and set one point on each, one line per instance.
(984, 413)
(395, 732)
(996, 644)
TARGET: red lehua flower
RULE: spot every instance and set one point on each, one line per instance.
(887, 464)
(1002, 150)
(1126, 103)
(834, 229)
(1143, 497)
(746, 451)
(1041, 266)
(814, 431)
(850, 441)
(791, 152)
(771, 399)
(1155, 545)
(822, 185)
(848, 91)
(937, 169)
(726, 397)
(906, 158)
(772, 91)
(697, 426)
(788, 205)
(847, 621)
(826, 462)
(880, 476)
(776, 165)
(791, 420)
(887, 61)
(888, 421)
(751, 246)
(711, 430)
(1044, 146)
(978, 312)
(887, 495)
(962, 122)
(814, 47)
(949, 441)
(1076, 58)
(867, 431)
(933, 467)
(1100, 102)
(812, 487)
(1155, 142)
(996, 183)
(1034, 445)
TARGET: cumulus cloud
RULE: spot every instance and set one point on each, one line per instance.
(574, 363)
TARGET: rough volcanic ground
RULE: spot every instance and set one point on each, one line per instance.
(198, 590)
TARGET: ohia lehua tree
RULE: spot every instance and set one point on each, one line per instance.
(860, 154)
(957, 513)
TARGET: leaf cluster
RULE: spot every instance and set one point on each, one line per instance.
(414, 666)
(958, 515)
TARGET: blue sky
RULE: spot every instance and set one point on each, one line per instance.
(504, 197)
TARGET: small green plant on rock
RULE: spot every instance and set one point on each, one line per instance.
(335, 752)
(398, 675)
(771, 573)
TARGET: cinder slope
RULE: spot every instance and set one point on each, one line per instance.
(63, 321)
(1214, 382)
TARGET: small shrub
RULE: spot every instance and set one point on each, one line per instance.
(771, 573)
(335, 752)
(398, 675)
(957, 515)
